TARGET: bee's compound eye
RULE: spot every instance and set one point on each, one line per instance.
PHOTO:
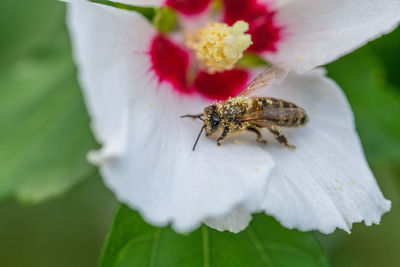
(215, 120)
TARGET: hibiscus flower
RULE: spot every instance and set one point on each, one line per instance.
(137, 82)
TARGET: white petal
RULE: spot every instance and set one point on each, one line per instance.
(147, 3)
(157, 172)
(317, 32)
(235, 221)
(105, 40)
(326, 182)
(167, 181)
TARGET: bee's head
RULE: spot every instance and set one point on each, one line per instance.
(212, 120)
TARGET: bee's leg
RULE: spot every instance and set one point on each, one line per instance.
(223, 135)
(255, 130)
(279, 136)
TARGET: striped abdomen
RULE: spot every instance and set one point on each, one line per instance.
(281, 112)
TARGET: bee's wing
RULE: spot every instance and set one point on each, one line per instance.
(272, 75)
(262, 123)
(274, 114)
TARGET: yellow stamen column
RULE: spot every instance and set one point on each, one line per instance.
(219, 46)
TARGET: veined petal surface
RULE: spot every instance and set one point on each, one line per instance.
(146, 156)
(317, 32)
(235, 221)
(105, 70)
(325, 182)
(155, 169)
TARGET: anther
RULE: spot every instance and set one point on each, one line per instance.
(219, 46)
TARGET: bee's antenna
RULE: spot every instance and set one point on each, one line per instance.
(198, 137)
(199, 116)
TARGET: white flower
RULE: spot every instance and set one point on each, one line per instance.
(135, 83)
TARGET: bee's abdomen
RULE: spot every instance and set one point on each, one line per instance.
(285, 114)
(293, 121)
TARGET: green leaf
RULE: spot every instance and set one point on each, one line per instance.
(25, 24)
(376, 103)
(132, 242)
(44, 133)
(387, 48)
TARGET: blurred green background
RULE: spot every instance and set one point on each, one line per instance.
(44, 137)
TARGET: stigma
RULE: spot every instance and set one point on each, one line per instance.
(219, 46)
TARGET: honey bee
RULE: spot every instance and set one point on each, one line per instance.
(243, 113)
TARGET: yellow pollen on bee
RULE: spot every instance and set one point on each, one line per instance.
(219, 46)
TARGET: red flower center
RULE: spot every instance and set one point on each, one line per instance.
(221, 86)
(189, 7)
(263, 29)
(171, 62)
